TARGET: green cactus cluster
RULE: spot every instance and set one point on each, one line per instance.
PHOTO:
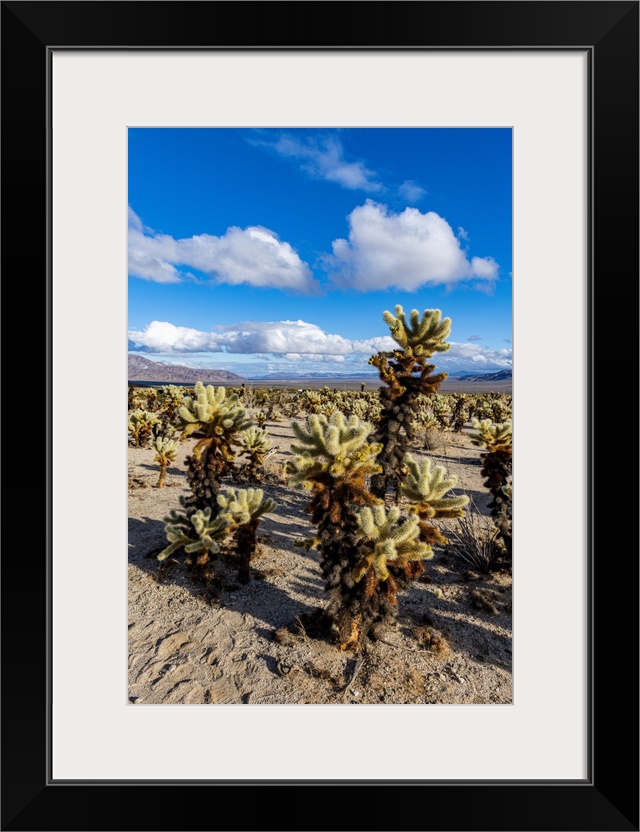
(426, 486)
(141, 425)
(200, 533)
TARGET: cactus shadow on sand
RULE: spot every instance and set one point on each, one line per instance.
(260, 598)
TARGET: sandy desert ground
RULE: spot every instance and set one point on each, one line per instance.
(248, 644)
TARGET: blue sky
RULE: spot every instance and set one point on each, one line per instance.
(279, 249)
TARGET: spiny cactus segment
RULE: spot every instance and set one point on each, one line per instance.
(426, 485)
(420, 335)
(387, 540)
(244, 505)
(336, 446)
(212, 412)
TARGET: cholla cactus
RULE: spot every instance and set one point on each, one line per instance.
(460, 407)
(496, 467)
(256, 447)
(426, 485)
(141, 425)
(220, 417)
(166, 452)
(199, 534)
(334, 458)
(242, 511)
(406, 375)
(441, 411)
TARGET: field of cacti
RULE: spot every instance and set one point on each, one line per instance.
(320, 546)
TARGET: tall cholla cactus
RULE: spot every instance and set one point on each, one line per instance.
(242, 510)
(334, 458)
(166, 452)
(496, 467)
(255, 445)
(426, 485)
(406, 375)
(220, 417)
(141, 425)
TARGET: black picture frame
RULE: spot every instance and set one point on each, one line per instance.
(608, 798)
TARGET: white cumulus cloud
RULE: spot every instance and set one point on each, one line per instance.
(253, 255)
(405, 251)
(471, 356)
(286, 338)
(298, 341)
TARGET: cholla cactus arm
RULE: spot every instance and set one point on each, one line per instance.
(255, 439)
(198, 533)
(426, 485)
(244, 505)
(166, 449)
(419, 336)
(335, 445)
(212, 412)
(386, 539)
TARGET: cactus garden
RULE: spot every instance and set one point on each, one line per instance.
(274, 556)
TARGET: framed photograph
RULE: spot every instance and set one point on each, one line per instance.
(83, 749)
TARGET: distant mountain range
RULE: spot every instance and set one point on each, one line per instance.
(293, 375)
(142, 369)
(460, 375)
(501, 375)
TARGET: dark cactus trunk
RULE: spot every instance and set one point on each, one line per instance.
(246, 546)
